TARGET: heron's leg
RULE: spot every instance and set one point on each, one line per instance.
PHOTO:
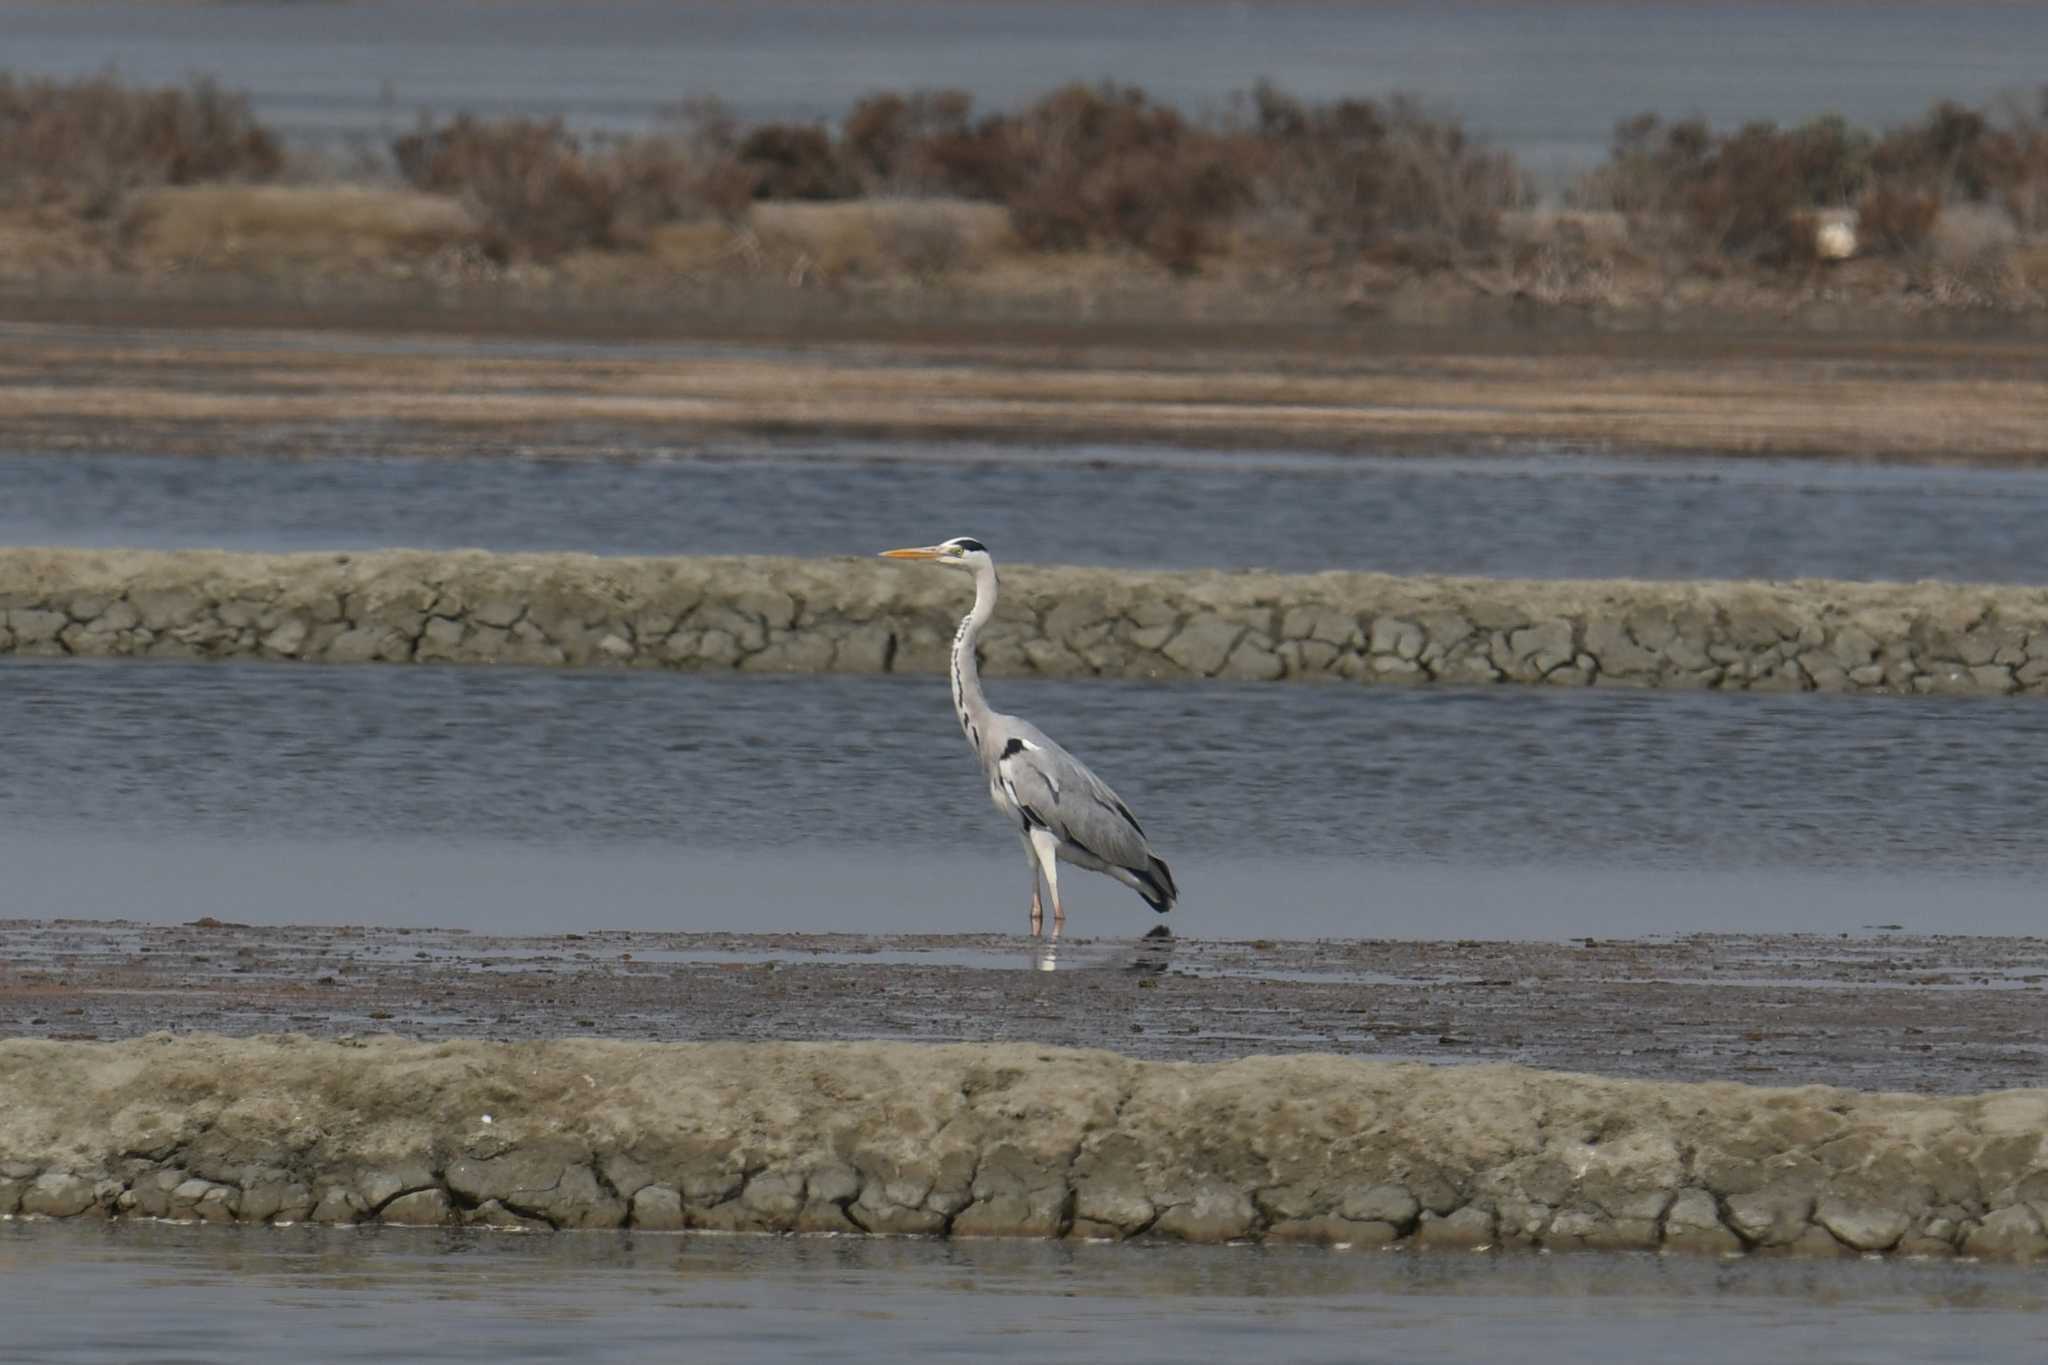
(1045, 846)
(1037, 914)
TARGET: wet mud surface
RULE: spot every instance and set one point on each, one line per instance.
(1881, 1011)
(181, 386)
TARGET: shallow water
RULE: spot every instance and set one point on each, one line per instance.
(1524, 516)
(1547, 80)
(539, 800)
(83, 1295)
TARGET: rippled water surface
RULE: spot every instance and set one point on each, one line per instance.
(1548, 517)
(234, 1295)
(516, 799)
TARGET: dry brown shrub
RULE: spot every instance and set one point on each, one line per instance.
(87, 144)
(1166, 202)
(1084, 167)
(538, 192)
(654, 183)
(1650, 167)
(1104, 164)
(795, 161)
(1569, 256)
(1950, 154)
(1755, 193)
(726, 189)
(1392, 178)
(972, 163)
(533, 191)
(1749, 195)
(886, 140)
(2019, 163)
(1895, 221)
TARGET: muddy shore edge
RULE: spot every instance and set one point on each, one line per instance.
(533, 381)
(1005, 1140)
(866, 616)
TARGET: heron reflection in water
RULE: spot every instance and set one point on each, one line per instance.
(1061, 810)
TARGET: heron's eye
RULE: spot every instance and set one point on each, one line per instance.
(955, 550)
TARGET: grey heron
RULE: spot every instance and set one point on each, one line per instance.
(1061, 810)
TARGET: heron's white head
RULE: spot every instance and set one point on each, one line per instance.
(961, 552)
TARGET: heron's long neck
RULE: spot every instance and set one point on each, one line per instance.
(968, 703)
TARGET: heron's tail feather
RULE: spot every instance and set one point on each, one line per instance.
(1155, 884)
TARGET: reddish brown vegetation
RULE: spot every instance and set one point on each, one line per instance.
(1105, 165)
(1751, 194)
(1085, 166)
(538, 191)
(87, 144)
(1358, 172)
(1329, 191)
(1089, 166)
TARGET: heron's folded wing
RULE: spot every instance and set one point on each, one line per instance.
(1054, 789)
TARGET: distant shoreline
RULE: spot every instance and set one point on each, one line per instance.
(1095, 205)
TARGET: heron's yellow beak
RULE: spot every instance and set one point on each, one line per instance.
(921, 552)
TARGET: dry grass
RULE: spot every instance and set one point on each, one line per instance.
(875, 238)
(324, 227)
(44, 243)
(863, 243)
(2029, 262)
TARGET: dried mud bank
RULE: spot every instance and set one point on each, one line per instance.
(862, 616)
(1005, 1140)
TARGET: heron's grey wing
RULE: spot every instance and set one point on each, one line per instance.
(1053, 788)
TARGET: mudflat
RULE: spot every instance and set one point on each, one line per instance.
(172, 378)
(1878, 1011)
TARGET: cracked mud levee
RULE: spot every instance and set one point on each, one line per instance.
(783, 615)
(1004, 1140)
(1031, 1138)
